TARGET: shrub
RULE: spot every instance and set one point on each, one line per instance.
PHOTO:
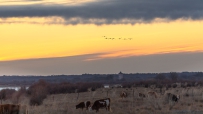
(6, 93)
(38, 95)
(39, 91)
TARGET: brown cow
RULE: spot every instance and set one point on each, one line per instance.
(123, 94)
(9, 109)
(152, 94)
(102, 103)
(82, 105)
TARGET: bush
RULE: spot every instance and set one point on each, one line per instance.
(6, 93)
(16, 96)
(38, 95)
(39, 91)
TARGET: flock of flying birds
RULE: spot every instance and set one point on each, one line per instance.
(120, 38)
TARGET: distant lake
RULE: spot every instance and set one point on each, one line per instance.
(14, 87)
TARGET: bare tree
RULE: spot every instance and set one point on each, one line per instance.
(174, 76)
(160, 77)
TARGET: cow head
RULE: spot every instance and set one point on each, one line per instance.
(90, 108)
(77, 106)
(175, 98)
(93, 107)
(178, 97)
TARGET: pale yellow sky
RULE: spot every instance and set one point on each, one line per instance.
(28, 40)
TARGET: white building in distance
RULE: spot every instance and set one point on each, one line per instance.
(120, 75)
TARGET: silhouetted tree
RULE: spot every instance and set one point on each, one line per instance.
(160, 77)
(38, 92)
(174, 76)
(109, 77)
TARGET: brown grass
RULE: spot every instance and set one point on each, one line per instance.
(65, 103)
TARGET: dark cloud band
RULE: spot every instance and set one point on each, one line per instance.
(111, 12)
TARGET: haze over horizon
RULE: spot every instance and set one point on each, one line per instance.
(45, 37)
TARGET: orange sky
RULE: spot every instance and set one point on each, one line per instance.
(27, 40)
(75, 36)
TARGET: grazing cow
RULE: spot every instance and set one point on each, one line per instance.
(123, 94)
(172, 97)
(141, 95)
(102, 103)
(9, 109)
(152, 94)
(82, 105)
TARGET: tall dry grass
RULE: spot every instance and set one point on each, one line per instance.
(191, 102)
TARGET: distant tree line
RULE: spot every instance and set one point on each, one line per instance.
(169, 81)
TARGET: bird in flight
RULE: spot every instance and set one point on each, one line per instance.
(120, 38)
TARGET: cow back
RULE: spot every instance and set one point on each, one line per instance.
(102, 103)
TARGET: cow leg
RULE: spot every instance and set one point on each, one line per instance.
(97, 110)
(17, 112)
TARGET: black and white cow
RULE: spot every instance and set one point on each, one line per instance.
(172, 97)
(85, 104)
(102, 103)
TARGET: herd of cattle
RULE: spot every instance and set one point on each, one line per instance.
(105, 103)
(102, 103)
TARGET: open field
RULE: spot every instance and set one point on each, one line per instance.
(191, 102)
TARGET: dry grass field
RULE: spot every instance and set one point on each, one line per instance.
(191, 102)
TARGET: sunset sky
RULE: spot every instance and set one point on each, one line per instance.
(44, 37)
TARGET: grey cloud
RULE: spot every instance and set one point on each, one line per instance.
(173, 62)
(111, 12)
(16, 1)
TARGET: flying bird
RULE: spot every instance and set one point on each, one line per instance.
(120, 38)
